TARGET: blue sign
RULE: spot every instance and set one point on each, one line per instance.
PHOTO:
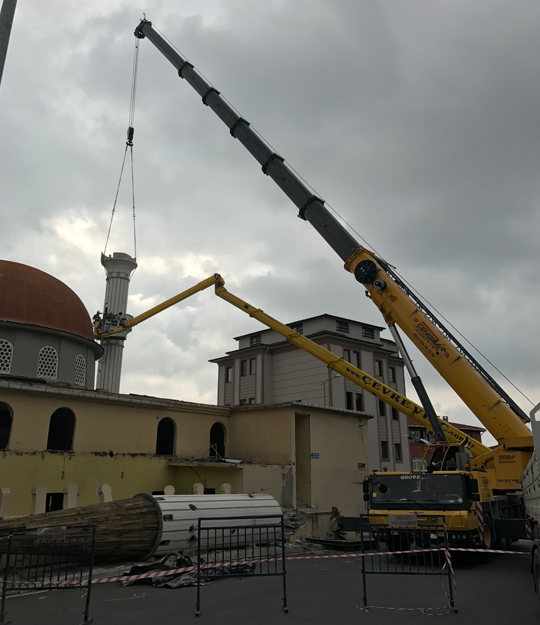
(315, 456)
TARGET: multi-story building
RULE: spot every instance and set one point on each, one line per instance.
(266, 369)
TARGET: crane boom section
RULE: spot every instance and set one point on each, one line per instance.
(397, 307)
(359, 377)
(204, 284)
(481, 394)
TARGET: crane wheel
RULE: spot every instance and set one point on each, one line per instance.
(489, 539)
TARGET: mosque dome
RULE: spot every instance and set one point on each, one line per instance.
(32, 297)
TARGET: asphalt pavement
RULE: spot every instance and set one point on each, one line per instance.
(495, 589)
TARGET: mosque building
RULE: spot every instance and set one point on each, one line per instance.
(67, 442)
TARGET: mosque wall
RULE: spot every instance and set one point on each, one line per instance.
(301, 455)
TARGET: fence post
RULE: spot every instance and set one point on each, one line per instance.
(198, 610)
(448, 563)
(4, 584)
(285, 606)
(90, 570)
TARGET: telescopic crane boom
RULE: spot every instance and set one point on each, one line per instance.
(399, 305)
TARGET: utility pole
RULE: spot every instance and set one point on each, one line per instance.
(6, 21)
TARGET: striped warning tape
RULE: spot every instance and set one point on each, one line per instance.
(218, 565)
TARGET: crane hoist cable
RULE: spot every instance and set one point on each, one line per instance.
(129, 146)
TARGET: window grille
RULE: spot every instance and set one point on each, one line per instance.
(342, 326)
(254, 341)
(297, 327)
(6, 355)
(80, 370)
(47, 363)
(368, 333)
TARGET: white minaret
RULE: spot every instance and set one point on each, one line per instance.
(119, 268)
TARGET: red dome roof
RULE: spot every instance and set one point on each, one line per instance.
(33, 297)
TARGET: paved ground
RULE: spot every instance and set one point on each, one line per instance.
(490, 589)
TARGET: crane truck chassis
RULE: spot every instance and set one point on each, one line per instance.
(491, 479)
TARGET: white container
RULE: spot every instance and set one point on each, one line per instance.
(181, 513)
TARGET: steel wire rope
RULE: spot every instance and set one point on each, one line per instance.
(129, 144)
(351, 228)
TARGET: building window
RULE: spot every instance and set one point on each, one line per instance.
(297, 327)
(417, 464)
(359, 402)
(61, 430)
(378, 368)
(165, 439)
(368, 333)
(342, 326)
(6, 355)
(255, 341)
(243, 368)
(397, 452)
(252, 366)
(6, 419)
(47, 363)
(217, 440)
(382, 408)
(251, 400)
(54, 501)
(228, 374)
(347, 355)
(391, 374)
(243, 402)
(80, 370)
(384, 450)
(355, 359)
(395, 414)
(349, 397)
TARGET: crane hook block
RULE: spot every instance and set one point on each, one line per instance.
(130, 133)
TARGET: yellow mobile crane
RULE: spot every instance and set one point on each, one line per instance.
(500, 469)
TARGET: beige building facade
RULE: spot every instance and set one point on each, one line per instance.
(293, 452)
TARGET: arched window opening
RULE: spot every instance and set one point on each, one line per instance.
(6, 355)
(80, 370)
(48, 363)
(61, 430)
(166, 431)
(6, 418)
(217, 441)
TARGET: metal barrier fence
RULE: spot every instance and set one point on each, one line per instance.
(58, 557)
(241, 549)
(405, 545)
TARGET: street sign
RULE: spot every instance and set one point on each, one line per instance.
(403, 520)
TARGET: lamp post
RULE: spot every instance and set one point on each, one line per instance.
(324, 387)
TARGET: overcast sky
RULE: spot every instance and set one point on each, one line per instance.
(417, 121)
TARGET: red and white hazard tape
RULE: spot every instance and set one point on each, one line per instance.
(218, 565)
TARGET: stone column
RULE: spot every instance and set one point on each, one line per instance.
(119, 268)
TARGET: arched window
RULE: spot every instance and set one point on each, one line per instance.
(6, 355)
(217, 441)
(6, 418)
(47, 363)
(166, 431)
(61, 430)
(80, 370)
